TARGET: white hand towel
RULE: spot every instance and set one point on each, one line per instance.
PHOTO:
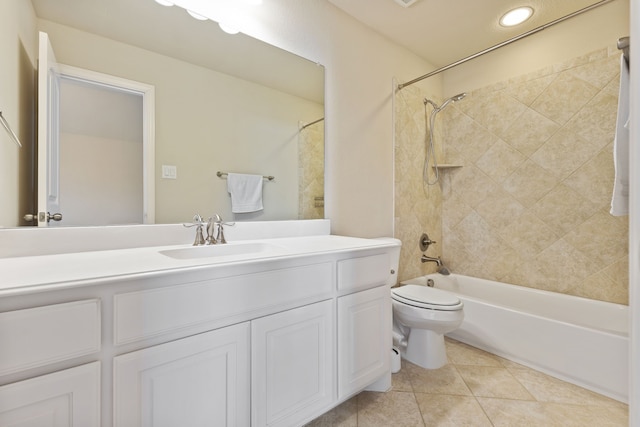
(246, 192)
(620, 198)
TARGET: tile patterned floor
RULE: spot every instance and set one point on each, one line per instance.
(480, 389)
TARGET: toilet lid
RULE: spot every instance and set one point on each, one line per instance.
(426, 297)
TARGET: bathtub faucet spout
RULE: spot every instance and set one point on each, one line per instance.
(437, 260)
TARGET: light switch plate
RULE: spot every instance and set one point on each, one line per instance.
(169, 172)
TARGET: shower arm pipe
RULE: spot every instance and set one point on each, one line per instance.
(504, 43)
(312, 123)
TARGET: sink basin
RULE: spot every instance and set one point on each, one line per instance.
(210, 251)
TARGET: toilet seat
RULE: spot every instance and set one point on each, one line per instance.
(426, 297)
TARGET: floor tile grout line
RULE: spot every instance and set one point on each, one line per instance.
(474, 395)
(424, 424)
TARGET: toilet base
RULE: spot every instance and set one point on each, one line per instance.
(425, 348)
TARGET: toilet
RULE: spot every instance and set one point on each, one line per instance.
(421, 317)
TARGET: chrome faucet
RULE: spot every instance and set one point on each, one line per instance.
(215, 230)
(437, 260)
(441, 268)
(211, 225)
(198, 223)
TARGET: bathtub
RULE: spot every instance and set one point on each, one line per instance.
(582, 341)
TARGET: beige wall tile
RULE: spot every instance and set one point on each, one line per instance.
(530, 204)
(563, 98)
(530, 132)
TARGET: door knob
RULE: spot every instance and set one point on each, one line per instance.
(30, 217)
(42, 217)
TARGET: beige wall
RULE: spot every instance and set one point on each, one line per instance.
(360, 66)
(18, 50)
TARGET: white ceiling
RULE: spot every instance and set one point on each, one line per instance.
(444, 31)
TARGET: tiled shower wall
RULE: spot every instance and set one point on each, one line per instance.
(311, 172)
(418, 207)
(530, 204)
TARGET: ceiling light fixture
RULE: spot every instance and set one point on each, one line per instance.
(196, 15)
(516, 16)
(230, 14)
(228, 28)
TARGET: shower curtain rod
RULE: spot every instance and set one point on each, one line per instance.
(312, 123)
(624, 45)
(504, 43)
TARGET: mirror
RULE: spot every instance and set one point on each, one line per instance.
(224, 103)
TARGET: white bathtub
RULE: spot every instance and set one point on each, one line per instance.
(579, 340)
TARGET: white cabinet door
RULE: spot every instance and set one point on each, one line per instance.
(364, 339)
(293, 365)
(62, 399)
(201, 380)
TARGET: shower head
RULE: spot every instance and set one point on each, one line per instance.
(437, 109)
(454, 98)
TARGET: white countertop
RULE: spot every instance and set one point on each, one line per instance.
(46, 272)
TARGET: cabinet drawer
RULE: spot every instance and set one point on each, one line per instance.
(39, 336)
(215, 303)
(362, 273)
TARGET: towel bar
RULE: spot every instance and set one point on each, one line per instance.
(221, 174)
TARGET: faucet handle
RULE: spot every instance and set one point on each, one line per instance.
(199, 237)
(220, 221)
(425, 242)
(198, 223)
(220, 236)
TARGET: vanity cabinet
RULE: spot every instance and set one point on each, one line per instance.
(364, 339)
(293, 365)
(272, 342)
(364, 322)
(185, 382)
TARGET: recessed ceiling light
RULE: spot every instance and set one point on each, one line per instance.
(516, 16)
